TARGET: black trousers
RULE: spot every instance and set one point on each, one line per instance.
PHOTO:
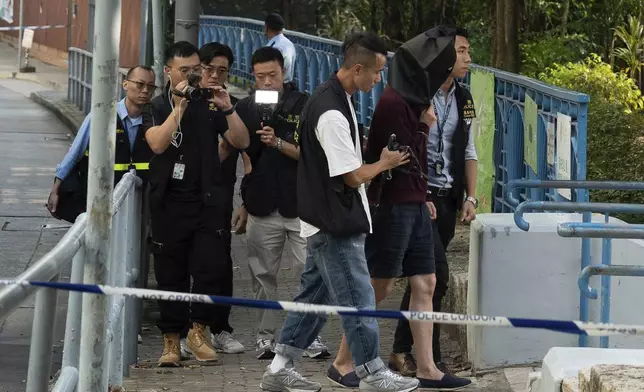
(189, 240)
(444, 227)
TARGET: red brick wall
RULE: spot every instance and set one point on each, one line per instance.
(51, 45)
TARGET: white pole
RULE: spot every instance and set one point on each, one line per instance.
(20, 32)
(157, 42)
(107, 26)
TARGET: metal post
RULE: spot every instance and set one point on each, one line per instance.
(99, 193)
(143, 34)
(157, 41)
(71, 349)
(90, 25)
(21, 24)
(42, 340)
(186, 21)
(70, 18)
(605, 282)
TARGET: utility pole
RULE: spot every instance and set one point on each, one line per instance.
(105, 63)
(21, 32)
(186, 21)
(157, 41)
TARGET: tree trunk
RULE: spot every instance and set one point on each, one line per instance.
(564, 17)
(286, 14)
(512, 56)
(499, 35)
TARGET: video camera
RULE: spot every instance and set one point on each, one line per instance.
(266, 101)
(194, 92)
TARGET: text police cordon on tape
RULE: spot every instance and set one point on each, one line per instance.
(565, 326)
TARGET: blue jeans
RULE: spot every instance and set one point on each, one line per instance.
(335, 273)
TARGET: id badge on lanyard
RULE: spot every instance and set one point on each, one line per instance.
(179, 169)
(440, 125)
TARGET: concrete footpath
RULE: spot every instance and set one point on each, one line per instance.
(242, 372)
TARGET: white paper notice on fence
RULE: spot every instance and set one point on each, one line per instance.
(550, 133)
(564, 157)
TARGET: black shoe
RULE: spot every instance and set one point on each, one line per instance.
(447, 383)
(349, 380)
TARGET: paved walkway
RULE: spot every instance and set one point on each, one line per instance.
(239, 372)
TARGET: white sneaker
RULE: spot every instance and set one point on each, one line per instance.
(185, 355)
(317, 350)
(225, 342)
(264, 349)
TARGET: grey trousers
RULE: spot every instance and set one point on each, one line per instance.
(269, 239)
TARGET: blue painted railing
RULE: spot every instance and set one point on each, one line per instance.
(585, 231)
(318, 57)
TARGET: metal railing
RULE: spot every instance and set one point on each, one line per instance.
(79, 76)
(125, 264)
(586, 230)
(318, 57)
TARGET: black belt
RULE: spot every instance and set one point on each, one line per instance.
(440, 192)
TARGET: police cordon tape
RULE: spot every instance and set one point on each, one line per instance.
(565, 326)
(45, 27)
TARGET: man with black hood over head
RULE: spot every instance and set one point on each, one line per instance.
(402, 242)
(452, 163)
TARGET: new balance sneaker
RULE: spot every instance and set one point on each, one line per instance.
(384, 380)
(225, 342)
(317, 350)
(264, 349)
(287, 380)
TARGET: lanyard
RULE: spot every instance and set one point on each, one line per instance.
(440, 125)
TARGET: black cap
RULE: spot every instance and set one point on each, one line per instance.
(275, 21)
(422, 64)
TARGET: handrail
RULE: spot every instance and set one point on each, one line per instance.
(599, 230)
(572, 207)
(602, 269)
(44, 269)
(568, 184)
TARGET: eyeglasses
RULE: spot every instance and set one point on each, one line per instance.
(141, 85)
(185, 70)
(219, 70)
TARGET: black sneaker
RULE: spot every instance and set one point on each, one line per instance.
(349, 380)
(447, 383)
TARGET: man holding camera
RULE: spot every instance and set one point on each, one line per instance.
(216, 60)
(187, 199)
(272, 115)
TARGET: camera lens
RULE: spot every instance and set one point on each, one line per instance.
(193, 93)
(194, 79)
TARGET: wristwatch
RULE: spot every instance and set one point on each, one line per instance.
(473, 201)
(229, 111)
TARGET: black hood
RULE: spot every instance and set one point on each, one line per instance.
(422, 64)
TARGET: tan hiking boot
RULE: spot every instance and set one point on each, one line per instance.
(198, 344)
(171, 353)
(404, 363)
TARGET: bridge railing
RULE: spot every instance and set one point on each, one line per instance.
(318, 57)
(126, 268)
(79, 79)
(587, 230)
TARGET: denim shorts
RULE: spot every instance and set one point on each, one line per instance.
(401, 243)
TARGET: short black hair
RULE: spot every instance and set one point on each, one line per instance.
(362, 48)
(179, 49)
(275, 22)
(266, 54)
(215, 49)
(450, 30)
(139, 66)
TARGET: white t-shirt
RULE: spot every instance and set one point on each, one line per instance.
(334, 134)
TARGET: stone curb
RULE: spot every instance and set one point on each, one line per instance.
(57, 104)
